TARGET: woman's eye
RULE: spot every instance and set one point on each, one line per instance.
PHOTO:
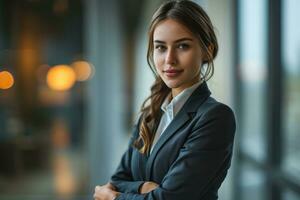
(183, 46)
(160, 48)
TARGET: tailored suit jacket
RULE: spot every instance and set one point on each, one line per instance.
(191, 158)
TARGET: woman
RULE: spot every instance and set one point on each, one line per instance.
(181, 147)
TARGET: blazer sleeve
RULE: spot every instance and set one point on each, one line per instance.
(122, 179)
(202, 162)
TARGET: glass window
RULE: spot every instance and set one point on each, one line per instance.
(291, 91)
(252, 71)
(42, 109)
(253, 183)
(290, 195)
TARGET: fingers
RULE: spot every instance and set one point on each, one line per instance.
(97, 188)
(154, 184)
(111, 186)
(148, 187)
(104, 192)
(107, 185)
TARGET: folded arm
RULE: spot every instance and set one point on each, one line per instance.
(202, 162)
(122, 178)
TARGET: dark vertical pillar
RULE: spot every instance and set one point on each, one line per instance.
(2, 47)
(237, 100)
(274, 93)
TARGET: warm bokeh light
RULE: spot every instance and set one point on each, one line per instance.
(83, 70)
(64, 179)
(6, 80)
(61, 77)
(60, 134)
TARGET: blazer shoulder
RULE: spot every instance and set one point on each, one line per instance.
(212, 106)
(214, 125)
(214, 112)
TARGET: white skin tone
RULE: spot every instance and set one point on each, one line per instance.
(177, 57)
(105, 192)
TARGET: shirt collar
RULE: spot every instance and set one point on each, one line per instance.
(173, 107)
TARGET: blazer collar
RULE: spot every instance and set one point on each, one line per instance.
(182, 117)
(197, 98)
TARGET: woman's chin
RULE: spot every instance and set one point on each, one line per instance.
(172, 85)
(171, 82)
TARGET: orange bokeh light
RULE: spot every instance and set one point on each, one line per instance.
(61, 77)
(6, 80)
(83, 70)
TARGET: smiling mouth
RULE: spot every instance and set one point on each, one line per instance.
(172, 72)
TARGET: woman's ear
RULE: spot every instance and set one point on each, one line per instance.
(209, 53)
(211, 49)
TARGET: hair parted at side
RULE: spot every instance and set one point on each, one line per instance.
(192, 16)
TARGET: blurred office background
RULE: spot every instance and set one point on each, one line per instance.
(73, 75)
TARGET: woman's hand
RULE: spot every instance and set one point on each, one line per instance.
(148, 187)
(105, 192)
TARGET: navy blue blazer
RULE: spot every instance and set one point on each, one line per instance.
(191, 158)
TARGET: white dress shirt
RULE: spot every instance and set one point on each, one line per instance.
(171, 109)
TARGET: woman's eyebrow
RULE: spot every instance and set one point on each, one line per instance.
(176, 41)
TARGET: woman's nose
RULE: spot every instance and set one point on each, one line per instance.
(171, 57)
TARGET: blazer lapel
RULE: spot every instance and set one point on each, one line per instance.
(182, 117)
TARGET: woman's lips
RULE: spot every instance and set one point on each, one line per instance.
(172, 72)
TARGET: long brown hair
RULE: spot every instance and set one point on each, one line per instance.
(197, 21)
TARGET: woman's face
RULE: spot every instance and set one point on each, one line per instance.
(177, 55)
